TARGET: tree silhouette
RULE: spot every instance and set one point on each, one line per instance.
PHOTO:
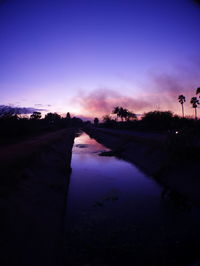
(123, 113)
(116, 111)
(68, 116)
(131, 115)
(52, 117)
(194, 101)
(158, 120)
(107, 118)
(96, 121)
(36, 115)
(181, 99)
(198, 91)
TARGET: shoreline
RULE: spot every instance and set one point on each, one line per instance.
(33, 206)
(149, 154)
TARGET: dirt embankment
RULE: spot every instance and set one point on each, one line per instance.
(34, 179)
(149, 153)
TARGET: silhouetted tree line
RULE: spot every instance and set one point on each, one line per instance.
(162, 121)
(154, 120)
(14, 126)
(182, 134)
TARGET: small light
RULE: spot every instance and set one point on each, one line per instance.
(176, 132)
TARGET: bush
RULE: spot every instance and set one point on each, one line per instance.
(158, 120)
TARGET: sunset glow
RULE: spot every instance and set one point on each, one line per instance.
(85, 57)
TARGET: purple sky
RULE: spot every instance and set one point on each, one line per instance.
(87, 56)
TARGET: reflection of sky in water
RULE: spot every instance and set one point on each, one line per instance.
(85, 144)
(98, 177)
(111, 194)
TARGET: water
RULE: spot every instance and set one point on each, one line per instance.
(115, 213)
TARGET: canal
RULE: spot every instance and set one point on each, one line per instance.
(116, 215)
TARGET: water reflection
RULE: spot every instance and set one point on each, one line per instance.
(116, 213)
(90, 145)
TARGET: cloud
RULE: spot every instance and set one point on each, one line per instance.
(165, 87)
(4, 109)
(42, 105)
(159, 93)
(102, 101)
(38, 104)
(184, 80)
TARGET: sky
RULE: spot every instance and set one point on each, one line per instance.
(87, 56)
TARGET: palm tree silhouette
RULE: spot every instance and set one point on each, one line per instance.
(194, 101)
(123, 113)
(116, 111)
(181, 99)
(198, 91)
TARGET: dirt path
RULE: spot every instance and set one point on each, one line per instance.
(16, 153)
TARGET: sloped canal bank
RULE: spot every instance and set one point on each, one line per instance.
(33, 186)
(116, 215)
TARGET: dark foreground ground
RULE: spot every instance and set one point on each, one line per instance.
(34, 178)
